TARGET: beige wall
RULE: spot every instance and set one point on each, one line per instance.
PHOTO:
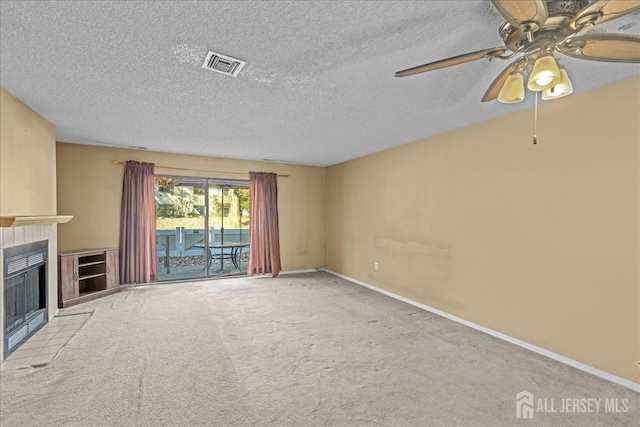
(27, 160)
(539, 242)
(90, 188)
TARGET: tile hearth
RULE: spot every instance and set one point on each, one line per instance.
(45, 345)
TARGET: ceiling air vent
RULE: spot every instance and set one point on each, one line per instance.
(223, 64)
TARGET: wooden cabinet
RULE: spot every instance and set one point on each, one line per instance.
(113, 270)
(87, 274)
(67, 283)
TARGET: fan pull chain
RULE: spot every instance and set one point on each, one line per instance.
(535, 121)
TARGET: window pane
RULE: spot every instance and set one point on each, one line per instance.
(229, 227)
(180, 225)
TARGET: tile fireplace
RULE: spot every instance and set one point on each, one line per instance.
(25, 293)
(28, 282)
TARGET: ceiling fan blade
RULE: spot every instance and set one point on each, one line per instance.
(518, 12)
(603, 47)
(495, 87)
(609, 9)
(460, 59)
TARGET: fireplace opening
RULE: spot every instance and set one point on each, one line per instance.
(25, 293)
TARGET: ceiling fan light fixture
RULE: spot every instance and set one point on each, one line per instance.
(513, 89)
(540, 29)
(545, 74)
(563, 88)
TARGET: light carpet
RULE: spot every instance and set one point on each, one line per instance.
(299, 350)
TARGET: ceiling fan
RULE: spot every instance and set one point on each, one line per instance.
(540, 30)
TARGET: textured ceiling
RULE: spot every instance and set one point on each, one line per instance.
(318, 87)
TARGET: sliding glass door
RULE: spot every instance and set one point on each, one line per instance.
(181, 214)
(202, 227)
(229, 224)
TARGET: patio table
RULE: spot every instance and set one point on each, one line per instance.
(217, 251)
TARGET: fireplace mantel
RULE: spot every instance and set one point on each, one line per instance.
(21, 221)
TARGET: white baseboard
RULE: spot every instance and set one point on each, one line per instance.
(555, 356)
(308, 270)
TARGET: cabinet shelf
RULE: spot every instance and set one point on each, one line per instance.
(90, 276)
(87, 264)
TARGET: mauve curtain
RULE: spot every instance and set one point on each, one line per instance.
(264, 248)
(138, 263)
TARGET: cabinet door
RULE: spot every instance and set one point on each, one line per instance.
(68, 285)
(113, 272)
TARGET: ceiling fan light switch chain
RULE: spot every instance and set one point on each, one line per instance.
(535, 121)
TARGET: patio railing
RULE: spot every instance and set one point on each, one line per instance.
(180, 242)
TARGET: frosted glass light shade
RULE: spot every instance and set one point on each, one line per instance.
(545, 74)
(513, 89)
(563, 88)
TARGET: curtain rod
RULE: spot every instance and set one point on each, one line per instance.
(117, 162)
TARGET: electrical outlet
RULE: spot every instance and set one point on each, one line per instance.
(375, 265)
